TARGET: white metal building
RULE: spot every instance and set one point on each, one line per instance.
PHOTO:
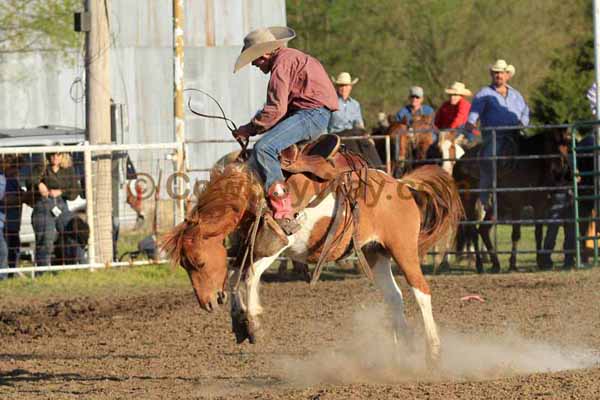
(41, 88)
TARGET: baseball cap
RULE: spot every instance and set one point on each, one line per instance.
(416, 91)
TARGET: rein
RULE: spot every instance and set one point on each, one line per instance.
(346, 199)
(249, 245)
(228, 121)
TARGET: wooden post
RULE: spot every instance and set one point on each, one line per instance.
(178, 106)
(98, 123)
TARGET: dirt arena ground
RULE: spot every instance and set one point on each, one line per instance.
(537, 336)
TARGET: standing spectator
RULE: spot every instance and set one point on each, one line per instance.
(415, 106)
(562, 208)
(454, 112)
(12, 207)
(497, 105)
(3, 248)
(348, 116)
(54, 183)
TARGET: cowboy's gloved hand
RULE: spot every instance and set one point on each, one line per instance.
(244, 132)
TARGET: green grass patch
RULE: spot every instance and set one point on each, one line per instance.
(98, 282)
(142, 279)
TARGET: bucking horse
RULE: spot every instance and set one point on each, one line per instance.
(342, 205)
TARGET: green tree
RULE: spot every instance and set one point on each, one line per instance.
(561, 96)
(393, 44)
(32, 25)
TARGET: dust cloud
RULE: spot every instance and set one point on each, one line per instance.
(368, 354)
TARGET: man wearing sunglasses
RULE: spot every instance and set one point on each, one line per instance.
(415, 106)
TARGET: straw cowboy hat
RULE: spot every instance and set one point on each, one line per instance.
(459, 89)
(503, 66)
(262, 41)
(344, 79)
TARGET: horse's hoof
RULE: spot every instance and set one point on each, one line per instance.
(239, 326)
(433, 360)
(443, 267)
(495, 270)
(254, 330)
(403, 338)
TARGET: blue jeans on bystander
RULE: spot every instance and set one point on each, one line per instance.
(45, 225)
(3, 254)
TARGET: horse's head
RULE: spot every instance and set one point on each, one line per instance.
(205, 260)
(197, 244)
(423, 138)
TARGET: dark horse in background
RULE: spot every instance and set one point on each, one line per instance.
(519, 173)
(364, 146)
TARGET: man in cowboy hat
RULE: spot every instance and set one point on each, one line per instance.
(415, 106)
(300, 99)
(497, 105)
(348, 116)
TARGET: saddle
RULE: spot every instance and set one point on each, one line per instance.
(323, 158)
(344, 173)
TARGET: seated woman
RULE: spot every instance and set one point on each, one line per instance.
(53, 183)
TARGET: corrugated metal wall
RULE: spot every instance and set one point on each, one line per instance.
(38, 89)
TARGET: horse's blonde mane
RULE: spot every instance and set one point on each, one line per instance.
(220, 207)
(232, 189)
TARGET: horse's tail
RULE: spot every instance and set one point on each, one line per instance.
(436, 194)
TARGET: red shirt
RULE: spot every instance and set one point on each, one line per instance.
(449, 116)
(298, 82)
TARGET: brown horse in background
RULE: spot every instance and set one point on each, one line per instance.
(418, 211)
(412, 143)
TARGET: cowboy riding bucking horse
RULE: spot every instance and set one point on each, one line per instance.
(300, 99)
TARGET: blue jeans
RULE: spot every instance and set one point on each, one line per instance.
(299, 126)
(3, 253)
(506, 145)
(12, 229)
(561, 209)
(46, 225)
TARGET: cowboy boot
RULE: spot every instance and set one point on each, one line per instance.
(281, 204)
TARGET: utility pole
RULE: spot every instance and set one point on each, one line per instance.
(178, 109)
(98, 122)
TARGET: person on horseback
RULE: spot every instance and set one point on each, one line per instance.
(415, 106)
(348, 121)
(454, 112)
(348, 116)
(497, 105)
(300, 99)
